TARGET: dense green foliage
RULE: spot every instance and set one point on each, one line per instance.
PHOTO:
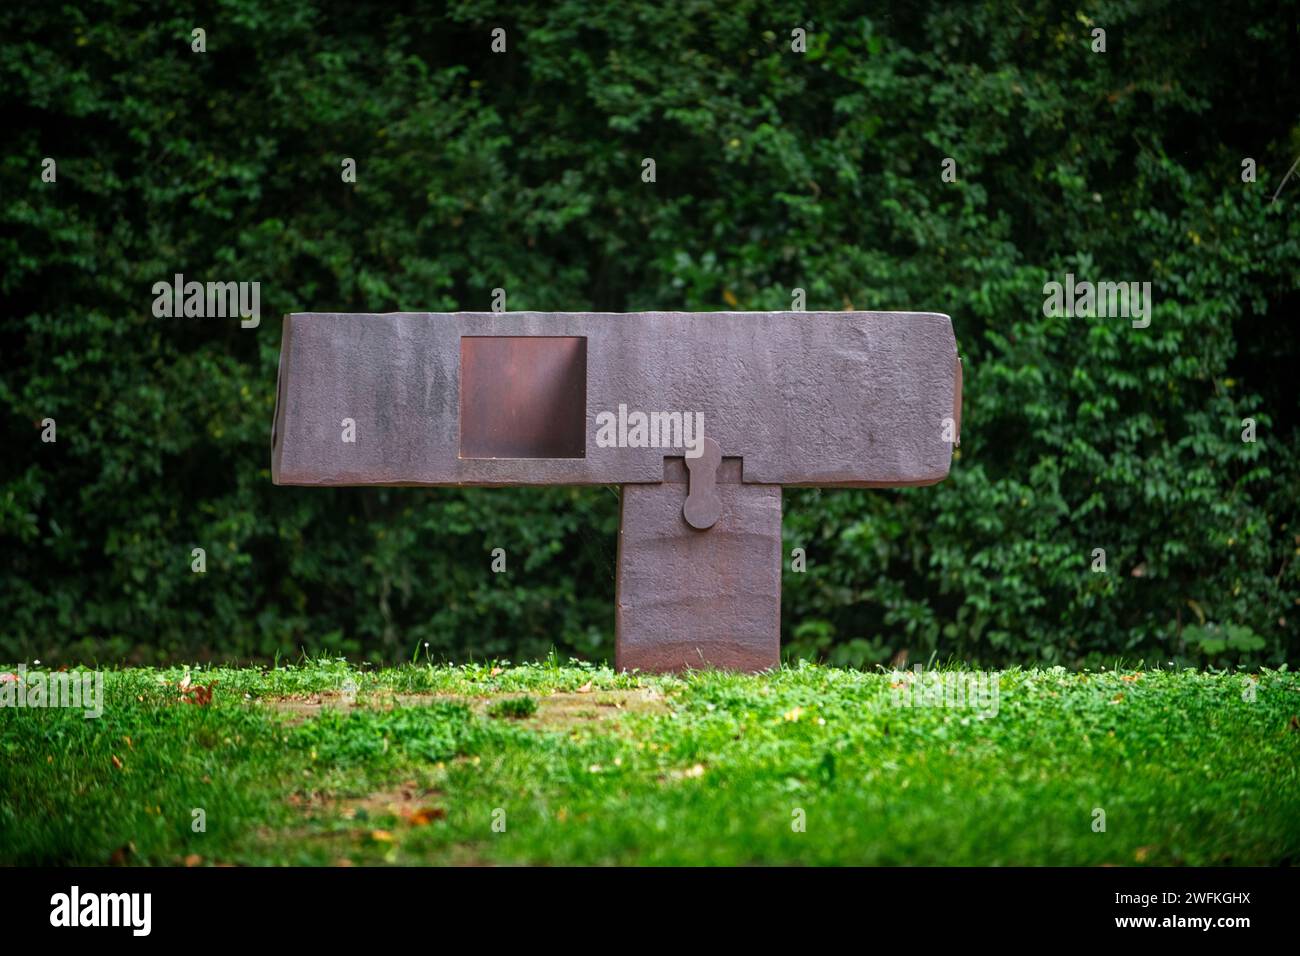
(1186, 767)
(775, 170)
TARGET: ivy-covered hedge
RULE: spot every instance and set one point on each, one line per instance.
(774, 170)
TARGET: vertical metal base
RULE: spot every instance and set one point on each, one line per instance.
(699, 599)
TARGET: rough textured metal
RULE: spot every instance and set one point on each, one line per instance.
(851, 399)
(697, 599)
(806, 398)
(703, 506)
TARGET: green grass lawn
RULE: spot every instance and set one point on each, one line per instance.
(326, 764)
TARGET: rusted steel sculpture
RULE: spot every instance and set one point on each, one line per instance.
(701, 417)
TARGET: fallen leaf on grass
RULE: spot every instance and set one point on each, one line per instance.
(426, 815)
(193, 860)
(381, 836)
(196, 693)
(119, 856)
(585, 688)
(116, 762)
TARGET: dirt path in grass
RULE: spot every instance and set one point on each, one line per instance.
(560, 710)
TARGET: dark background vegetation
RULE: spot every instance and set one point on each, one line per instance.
(775, 170)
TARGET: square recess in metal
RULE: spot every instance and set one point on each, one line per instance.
(523, 396)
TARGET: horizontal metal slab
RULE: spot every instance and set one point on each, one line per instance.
(804, 398)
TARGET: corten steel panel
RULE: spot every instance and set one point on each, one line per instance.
(806, 398)
(697, 599)
(523, 397)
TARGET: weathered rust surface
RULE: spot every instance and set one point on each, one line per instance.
(523, 396)
(806, 398)
(851, 399)
(699, 599)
